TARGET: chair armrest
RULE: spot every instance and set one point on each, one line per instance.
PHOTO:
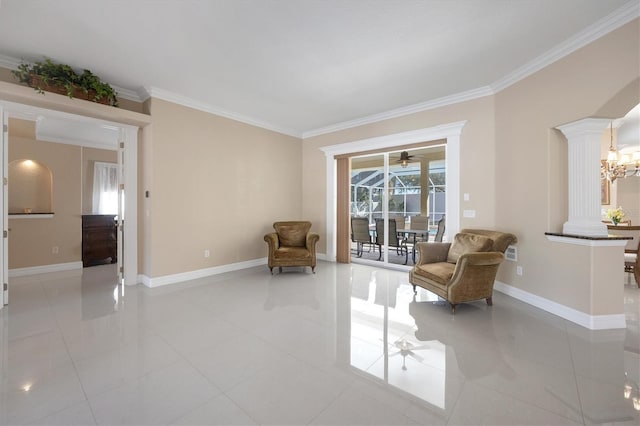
(312, 239)
(480, 258)
(432, 252)
(474, 275)
(272, 240)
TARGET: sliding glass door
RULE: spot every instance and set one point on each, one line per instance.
(389, 190)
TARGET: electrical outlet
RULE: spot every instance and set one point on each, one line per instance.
(519, 270)
(54, 250)
(207, 253)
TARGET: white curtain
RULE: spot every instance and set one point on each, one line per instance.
(105, 188)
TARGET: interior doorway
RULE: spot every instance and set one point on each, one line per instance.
(84, 131)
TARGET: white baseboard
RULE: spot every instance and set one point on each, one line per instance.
(592, 322)
(199, 273)
(31, 270)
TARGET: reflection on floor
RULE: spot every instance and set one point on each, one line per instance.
(371, 252)
(347, 345)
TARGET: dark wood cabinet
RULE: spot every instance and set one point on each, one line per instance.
(99, 239)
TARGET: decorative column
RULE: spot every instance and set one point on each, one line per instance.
(584, 139)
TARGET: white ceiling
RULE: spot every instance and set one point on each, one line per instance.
(303, 67)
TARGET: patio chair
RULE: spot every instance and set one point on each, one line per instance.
(394, 241)
(440, 231)
(360, 234)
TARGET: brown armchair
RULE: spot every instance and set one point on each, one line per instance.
(463, 270)
(292, 245)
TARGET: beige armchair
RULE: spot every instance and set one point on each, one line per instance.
(464, 270)
(292, 245)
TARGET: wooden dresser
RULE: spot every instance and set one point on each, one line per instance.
(99, 239)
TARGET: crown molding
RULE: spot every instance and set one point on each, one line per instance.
(129, 94)
(623, 15)
(618, 18)
(609, 23)
(154, 92)
(399, 112)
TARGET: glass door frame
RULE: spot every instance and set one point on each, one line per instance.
(449, 132)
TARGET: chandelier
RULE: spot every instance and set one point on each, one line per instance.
(615, 167)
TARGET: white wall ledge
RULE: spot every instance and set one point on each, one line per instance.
(579, 240)
(31, 216)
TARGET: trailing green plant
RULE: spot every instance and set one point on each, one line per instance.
(48, 74)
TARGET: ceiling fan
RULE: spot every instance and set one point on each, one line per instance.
(404, 158)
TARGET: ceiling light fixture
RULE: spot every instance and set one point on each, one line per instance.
(404, 158)
(614, 168)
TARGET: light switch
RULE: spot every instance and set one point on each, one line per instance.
(466, 196)
(469, 213)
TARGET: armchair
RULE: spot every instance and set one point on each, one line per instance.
(292, 245)
(464, 270)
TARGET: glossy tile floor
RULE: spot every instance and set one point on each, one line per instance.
(347, 345)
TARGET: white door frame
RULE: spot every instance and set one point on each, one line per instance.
(129, 136)
(4, 247)
(451, 132)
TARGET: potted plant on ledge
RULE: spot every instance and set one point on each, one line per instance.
(48, 76)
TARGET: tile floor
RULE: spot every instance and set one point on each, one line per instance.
(348, 345)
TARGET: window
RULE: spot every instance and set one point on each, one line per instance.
(105, 188)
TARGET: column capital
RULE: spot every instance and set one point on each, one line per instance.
(584, 127)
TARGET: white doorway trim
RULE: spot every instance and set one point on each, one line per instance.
(129, 135)
(451, 132)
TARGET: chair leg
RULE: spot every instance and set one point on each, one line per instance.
(271, 269)
(453, 308)
(415, 291)
(489, 301)
(280, 269)
(313, 269)
(380, 250)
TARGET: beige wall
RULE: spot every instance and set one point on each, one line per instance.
(218, 184)
(531, 154)
(31, 240)
(513, 161)
(89, 157)
(214, 184)
(477, 171)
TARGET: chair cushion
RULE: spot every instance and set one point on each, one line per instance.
(291, 253)
(292, 234)
(468, 243)
(439, 272)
